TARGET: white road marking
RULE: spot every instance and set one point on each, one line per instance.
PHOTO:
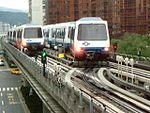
(12, 88)
(1, 94)
(4, 70)
(3, 89)
(2, 102)
(4, 112)
(8, 89)
(16, 88)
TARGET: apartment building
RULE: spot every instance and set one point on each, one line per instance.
(4, 27)
(36, 11)
(122, 15)
(135, 16)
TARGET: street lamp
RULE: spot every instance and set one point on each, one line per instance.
(126, 62)
(132, 63)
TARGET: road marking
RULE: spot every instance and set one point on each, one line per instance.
(8, 89)
(4, 112)
(12, 88)
(3, 89)
(1, 94)
(4, 70)
(2, 102)
(16, 88)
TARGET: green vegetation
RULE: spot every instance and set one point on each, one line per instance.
(133, 44)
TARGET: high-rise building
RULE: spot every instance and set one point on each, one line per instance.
(36, 13)
(122, 15)
(135, 16)
(4, 27)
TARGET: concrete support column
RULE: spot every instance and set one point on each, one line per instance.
(24, 82)
(45, 110)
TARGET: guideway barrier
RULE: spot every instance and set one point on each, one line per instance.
(129, 73)
(66, 98)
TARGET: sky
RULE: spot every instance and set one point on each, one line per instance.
(15, 4)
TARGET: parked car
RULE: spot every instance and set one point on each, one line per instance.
(1, 62)
(15, 71)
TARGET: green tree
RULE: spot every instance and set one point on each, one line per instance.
(132, 43)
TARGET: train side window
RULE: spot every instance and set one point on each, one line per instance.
(63, 33)
(19, 34)
(46, 33)
(72, 33)
(39, 30)
(10, 33)
(57, 35)
(7, 34)
(53, 33)
(14, 35)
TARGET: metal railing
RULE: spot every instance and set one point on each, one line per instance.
(69, 98)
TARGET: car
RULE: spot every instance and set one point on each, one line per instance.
(1, 62)
(15, 71)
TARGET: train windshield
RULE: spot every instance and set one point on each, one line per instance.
(92, 32)
(33, 32)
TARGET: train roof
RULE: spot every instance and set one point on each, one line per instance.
(28, 25)
(91, 19)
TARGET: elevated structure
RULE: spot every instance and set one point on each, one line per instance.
(56, 89)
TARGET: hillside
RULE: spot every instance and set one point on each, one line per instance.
(13, 17)
(9, 10)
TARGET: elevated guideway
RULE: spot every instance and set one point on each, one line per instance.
(55, 89)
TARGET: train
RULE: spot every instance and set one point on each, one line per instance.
(84, 39)
(27, 38)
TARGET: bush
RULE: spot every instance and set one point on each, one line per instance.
(133, 43)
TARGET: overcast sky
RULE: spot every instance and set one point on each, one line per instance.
(15, 4)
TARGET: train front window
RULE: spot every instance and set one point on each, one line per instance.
(33, 33)
(92, 32)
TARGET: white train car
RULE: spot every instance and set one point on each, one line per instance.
(47, 35)
(11, 36)
(91, 39)
(57, 35)
(87, 38)
(27, 38)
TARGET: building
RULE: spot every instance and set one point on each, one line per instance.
(136, 16)
(122, 15)
(4, 27)
(60, 11)
(36, 14)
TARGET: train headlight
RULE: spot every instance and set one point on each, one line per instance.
(106, 49)
(24, 43)
(42, 43)
(78, 49)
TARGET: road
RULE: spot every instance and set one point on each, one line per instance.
(10, 95)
